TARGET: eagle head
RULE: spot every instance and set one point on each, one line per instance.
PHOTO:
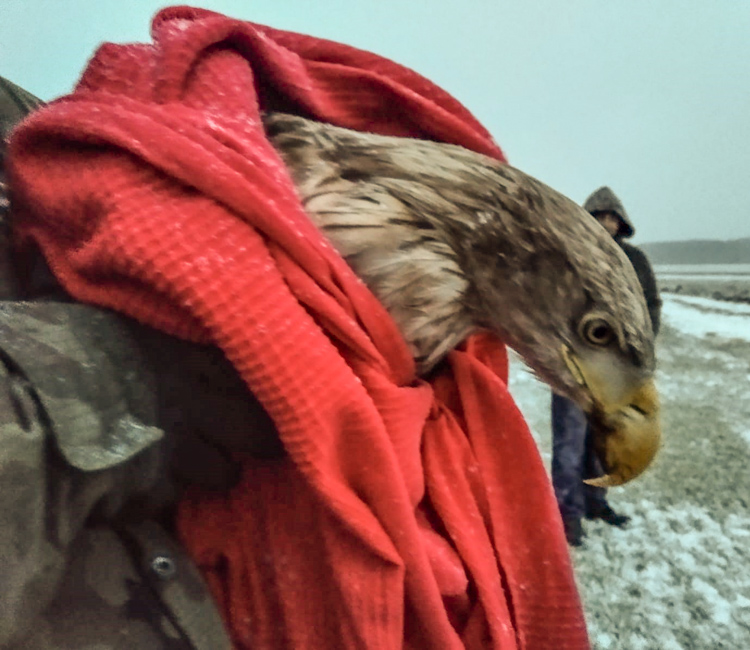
(571, 305)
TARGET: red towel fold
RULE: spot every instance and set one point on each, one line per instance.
(407, 514)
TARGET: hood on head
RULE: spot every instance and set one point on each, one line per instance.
(605, 200)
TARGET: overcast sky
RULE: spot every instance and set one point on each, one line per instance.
(649, 97)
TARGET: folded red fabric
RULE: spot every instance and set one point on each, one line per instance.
(407, 514)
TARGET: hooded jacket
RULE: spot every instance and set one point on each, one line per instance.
(605, 200)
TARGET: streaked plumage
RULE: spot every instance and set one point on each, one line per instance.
(453, 242)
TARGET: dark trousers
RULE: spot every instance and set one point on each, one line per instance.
(573, 460)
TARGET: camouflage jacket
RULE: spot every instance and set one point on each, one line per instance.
(102, 423)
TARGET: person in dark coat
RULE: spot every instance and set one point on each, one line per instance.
(573, 456)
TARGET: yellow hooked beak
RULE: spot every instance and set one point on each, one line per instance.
(624, 420)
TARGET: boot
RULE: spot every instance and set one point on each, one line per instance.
(574, 531)
(606, 514)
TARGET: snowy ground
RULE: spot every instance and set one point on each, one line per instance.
(678, 578)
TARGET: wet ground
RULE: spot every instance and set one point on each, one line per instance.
(678, 578)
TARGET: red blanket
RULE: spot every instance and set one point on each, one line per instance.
(407, 514)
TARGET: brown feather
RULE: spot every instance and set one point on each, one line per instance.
(452, 241)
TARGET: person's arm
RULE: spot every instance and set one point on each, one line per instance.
(102, 421)
(25, 551)
(651, 292)
(60, 401)
(648, 282)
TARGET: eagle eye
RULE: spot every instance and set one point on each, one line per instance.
(596, 330)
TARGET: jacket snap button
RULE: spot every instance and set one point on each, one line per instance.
(163, 566)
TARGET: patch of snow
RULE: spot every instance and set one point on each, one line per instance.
(707, 318)
(719, 607)
(701, 269)
(718, 306)
(710, 277)
(689, 577)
